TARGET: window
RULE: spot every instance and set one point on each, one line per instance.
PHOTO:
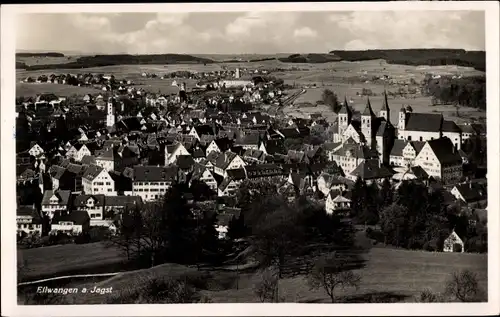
(109, 189)
(108, 183)
(409, 138)
(421, 139)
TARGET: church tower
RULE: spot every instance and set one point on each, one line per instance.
(110, 118)
(402, 119)
(344, 117)
(385, 112)
(367, 118)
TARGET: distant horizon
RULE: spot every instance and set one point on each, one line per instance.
(70, 53)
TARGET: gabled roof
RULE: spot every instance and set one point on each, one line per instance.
(397, 149)
(224, 159)
(450, 126)
(275, 146)
(290, 133)
(78, 217)
(81, 200)
(62, 196)
(88, 159)
(445, 151)
(417, 145)
(371, 169)
(92, 172)
(236, 174)
(28, 211)
(204, 129)
(472, 192)
(430, 122)
(185, 161)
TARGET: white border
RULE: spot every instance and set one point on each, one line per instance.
(9, 305)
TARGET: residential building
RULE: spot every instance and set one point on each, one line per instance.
(152, 182)
(96, 180)
(35, 150)
(453, 243)
(53, 202)
(335, 203)
(73, 223)
(440, 160)
(28, 220)
(93, 205)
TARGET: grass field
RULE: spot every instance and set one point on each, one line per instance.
(30, 61)
(68, 259)
(392, 274)
(33, 89)
(419, 104)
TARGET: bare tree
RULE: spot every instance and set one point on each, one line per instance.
(267, 288)
(331, 272)
(463, 285)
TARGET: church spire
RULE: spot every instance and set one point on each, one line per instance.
(368, 109)
(345, 108)
(385, 104)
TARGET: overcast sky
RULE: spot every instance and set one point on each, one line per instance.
(249, 32)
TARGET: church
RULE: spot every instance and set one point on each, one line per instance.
(370, 130)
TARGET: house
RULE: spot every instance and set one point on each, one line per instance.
(473, 194)
(96, 180)
(106, 159)
(441, 160)
(28, 220)
(370, 171)
(351, 154)
(336, 203)
(55, 201)
(226, 161)
(453, 243)
(116, 204)
(152, 182)
(326, 183)
(199, 130)
(264, 171)
(173, 151)
(219, 145)
(403, 152)
(92, 204)
(254, 156)
(73, 223)
(203, 174)
(249, 141)
(35, 150)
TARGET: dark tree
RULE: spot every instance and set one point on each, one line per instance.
(330, 99)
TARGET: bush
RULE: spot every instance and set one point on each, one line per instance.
(427, 296)
(463, 286)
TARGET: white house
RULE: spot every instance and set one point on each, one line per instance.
(336, 203)
(54, 202)
(72, 223)
(28, 220)
(226, 161)
(453, 243)
(151, 182)
(106, 160)
(35, 150)
(93, 205)
(173, 151)
(203, 174)
(96, 180)
(82, 151)
(440, 160)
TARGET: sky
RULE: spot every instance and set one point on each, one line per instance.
(249, 32)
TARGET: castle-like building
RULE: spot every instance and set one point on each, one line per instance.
(375, 132)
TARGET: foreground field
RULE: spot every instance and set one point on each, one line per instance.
(390, 275)
(68, 259)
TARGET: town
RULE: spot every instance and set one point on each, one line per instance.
(220, 162)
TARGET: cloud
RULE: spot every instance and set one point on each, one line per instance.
(305, 32)
(249, 32)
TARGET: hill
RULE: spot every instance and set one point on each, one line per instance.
(31, 54)
(432, 57)
(310, 58)
(124, 59)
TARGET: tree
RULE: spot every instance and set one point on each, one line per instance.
(277, 235)
(358, 196)
(386, 193)
(331, 100)
(394, 225)
(267, 288)
(463, 286)
(236, 227)
(331, 272)
(369, 214)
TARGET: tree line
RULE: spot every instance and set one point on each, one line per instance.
(459, 91)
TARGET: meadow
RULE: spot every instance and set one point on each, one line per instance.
(391, 275)
(68, 259)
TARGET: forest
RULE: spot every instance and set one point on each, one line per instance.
(464, 91)
(432, 57)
